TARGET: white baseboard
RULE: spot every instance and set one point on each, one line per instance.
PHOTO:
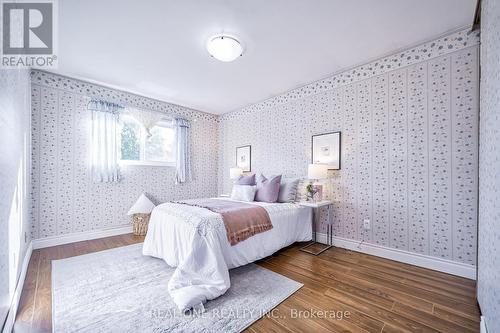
(80, 236)
(434, 263)
(11, 317)
(438, 264)
(482, 326)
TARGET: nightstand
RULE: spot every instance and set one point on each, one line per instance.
(316, 206)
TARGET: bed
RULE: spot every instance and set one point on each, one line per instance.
(194, 240)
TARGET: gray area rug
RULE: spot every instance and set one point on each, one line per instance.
(120, 290)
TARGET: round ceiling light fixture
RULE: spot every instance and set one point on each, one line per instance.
(224, 48)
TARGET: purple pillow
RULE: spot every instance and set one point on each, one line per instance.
(268, 189)
(246, 180)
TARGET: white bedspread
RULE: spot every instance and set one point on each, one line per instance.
(194, 240)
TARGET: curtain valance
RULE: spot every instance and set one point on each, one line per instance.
(104, 106)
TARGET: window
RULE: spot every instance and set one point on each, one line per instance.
(130, 139)
(139, 145)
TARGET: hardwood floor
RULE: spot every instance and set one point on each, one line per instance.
(356, 292)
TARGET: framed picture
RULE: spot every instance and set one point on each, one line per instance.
(244, 158)
(326, 150)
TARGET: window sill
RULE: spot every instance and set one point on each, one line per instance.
(147, 163)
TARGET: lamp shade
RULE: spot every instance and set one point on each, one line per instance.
(317, 171)
(235, 173)
(142, 206)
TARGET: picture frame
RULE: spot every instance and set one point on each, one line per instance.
(325, 149)
(244, 158)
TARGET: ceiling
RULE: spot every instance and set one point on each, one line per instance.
(157, 47)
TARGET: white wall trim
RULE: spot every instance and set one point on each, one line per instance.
(11, 317)
(482, 326)
(80, 236)
(417, 259)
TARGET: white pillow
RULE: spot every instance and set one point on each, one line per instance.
(142, 206)
(243, 192)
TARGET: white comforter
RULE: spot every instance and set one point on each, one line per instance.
(194, 240)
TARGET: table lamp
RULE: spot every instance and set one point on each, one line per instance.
(316, 172)
(235, 173)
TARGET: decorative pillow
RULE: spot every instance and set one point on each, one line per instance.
(243, 192)
(268, 189)
(142, 206)
(246, 180)
(288, 190)
(301, 194)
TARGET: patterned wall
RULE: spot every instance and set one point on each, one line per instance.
(65, 199)
(409, 127)
(489, 167)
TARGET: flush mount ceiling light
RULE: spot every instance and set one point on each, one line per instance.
(224, 48)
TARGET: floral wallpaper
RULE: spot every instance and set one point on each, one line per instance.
(489, 168)
(65, 199)
(409, 154)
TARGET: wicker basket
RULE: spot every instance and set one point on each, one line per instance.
(140, 223)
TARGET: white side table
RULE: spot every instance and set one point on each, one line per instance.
(316, 206)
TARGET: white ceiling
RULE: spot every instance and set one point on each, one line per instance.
(157, 47)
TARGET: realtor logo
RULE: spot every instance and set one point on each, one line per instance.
(28, 34)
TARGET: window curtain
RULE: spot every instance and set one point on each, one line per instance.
(105, 167)
(183, 161)
(148, 119)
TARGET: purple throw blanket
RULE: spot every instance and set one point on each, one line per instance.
(241, 220)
